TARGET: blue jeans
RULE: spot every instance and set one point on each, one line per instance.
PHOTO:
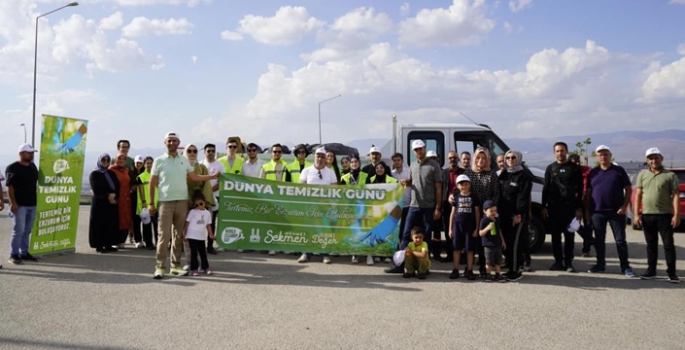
(618, 227)
(22, 224)
(422, 217)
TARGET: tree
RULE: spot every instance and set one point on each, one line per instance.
(581, 150)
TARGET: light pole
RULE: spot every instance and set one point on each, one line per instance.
(24, 126)
(35, 67)
(332, 98)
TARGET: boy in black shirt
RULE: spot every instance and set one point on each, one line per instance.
(463, 222)
(562, 197)
(491, 235)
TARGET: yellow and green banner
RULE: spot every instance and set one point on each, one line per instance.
(268, 215)
(62, 154)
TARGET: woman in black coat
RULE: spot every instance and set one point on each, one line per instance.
(514, 212)
(104, 215)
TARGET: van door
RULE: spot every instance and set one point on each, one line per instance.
(434, 139)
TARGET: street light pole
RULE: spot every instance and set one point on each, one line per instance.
(35, 68)
(24, 126)
(332, 98)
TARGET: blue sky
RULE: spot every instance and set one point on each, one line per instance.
(139, 68)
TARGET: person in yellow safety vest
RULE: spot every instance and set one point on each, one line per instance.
(231, 162)
(381, 177)
(143, 201)
(332, 163)
(276, 169)
(355, 176)
(296, 167)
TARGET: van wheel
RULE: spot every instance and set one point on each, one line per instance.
(536, 234)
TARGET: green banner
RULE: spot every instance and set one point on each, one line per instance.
(62, 154)
(267, 215)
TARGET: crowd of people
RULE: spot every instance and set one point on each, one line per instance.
(170, 204)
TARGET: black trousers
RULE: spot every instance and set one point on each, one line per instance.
(197, 247)
(137, 234)
(653, 225)
(560, 217)
(516, 238)
(150, 239)
(447, 243)
(210, 242)
(405, 211)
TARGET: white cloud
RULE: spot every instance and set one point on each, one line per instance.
(287, 26)
(665, 83)
(680, 2)
(363, 18)
(232, 36)
(405, 9)
(190, 3)
(508, 28)
(114, 21)
(141, 26)
(681, 48)
(194, 59)
(464, 23)
(518, 5)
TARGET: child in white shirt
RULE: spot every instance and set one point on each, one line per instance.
(198, 225)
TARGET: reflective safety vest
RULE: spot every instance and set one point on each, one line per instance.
(347, 178)
(144, 178)
(294, 170)
(237, 167)
(270, 171)
(388, 179)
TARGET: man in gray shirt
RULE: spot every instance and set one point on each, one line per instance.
(425, 181)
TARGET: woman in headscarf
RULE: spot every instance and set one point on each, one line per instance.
(355, 176)
(514, 210)
(485, 184)
(126, 181)
(205, 187)
(104, 214)
(332, 163)
(345, 164)
(381, 177)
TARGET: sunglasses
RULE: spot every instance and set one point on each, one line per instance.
(277, 152)
(210, 151)
(510, 157)
(232, 147)
(200, 204)
(191, 151)
(252, 150)
(320, 176)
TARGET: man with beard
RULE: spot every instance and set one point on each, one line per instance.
(375, 155)
(22, 181)
(296, 167)
(253, 165)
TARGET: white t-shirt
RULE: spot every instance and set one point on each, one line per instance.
(404, 175)
(213, 168)
(310, 176)
(252, 170)
(197, 223)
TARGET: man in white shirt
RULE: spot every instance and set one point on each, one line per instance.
(213, 166)
(253, 165)
(317, 174)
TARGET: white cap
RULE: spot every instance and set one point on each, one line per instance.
(138, 159)
(171, 135)
(463, 177)
(652, 151)
(431, 154)
(320, 150)
(574, 226)
(602, 148)
(417, 144)
(374, 149)
(26, 148)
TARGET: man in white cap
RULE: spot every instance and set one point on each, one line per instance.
(607, 199)
(375, 156)
(22, 181)
(170, 172)
(658, 195)
(317, 174)
(425, 181)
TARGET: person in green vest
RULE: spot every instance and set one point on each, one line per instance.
(232, 162)
(143, 200)
(344, 165)
(332, 163)
(299, 163)
(138, 169)
(205, 187)
(355, 176)
(381, 177)
(275, 170)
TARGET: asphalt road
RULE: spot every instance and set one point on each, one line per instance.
(90, 301)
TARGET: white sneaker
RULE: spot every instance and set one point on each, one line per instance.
(369, 260)
(186, 267)
(354, 259)
(303, 259)
(121, 246)
(139, 245)
(272, 252)
(377, 260)
(326, 260)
